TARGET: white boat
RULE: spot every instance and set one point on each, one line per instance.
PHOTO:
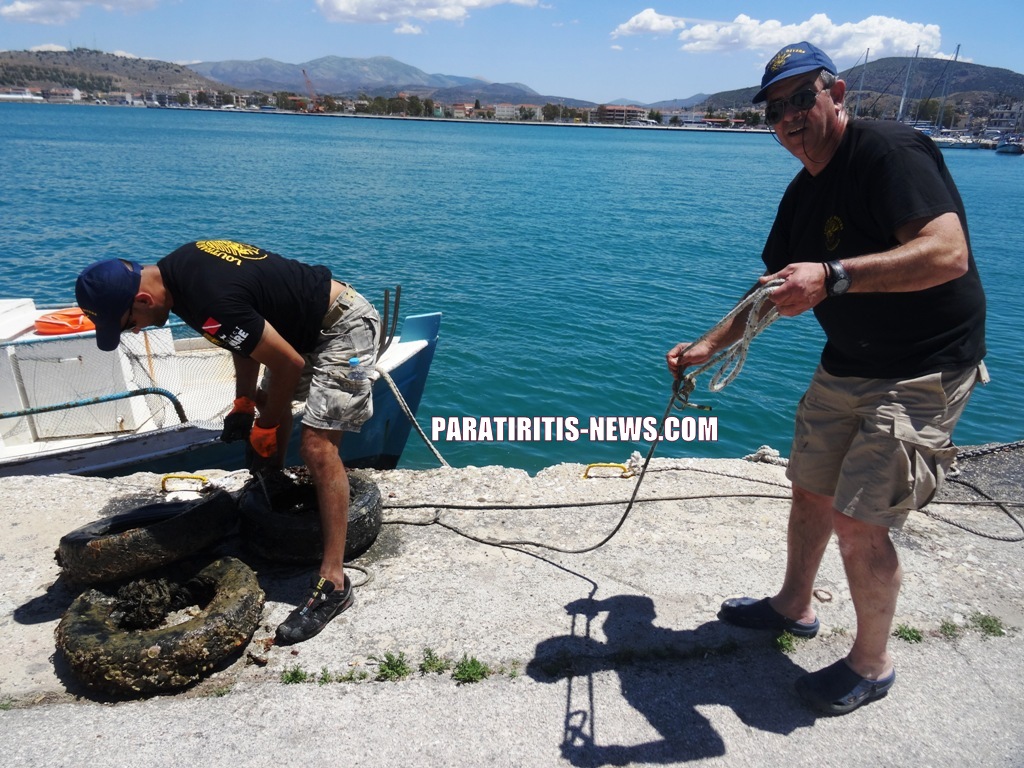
(158, 402)
(956, 142)
(1010, 145)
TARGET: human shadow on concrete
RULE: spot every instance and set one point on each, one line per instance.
(665, 674)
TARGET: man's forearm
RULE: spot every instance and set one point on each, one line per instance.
(246, 373)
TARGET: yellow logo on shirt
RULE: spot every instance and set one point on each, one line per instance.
(833, 232)
(228, 250)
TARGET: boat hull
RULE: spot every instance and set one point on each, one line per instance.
(191, 448)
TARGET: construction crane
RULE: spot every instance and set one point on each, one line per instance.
(315, 104)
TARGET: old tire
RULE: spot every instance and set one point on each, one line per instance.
(280, 518)
(145, 538)
(106, 657)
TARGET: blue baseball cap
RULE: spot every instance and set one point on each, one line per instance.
(792, 60)
(105, 291)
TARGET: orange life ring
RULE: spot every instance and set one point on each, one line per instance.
(71, 320)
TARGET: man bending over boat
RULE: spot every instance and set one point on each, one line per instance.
(871, 235)
(297, 322)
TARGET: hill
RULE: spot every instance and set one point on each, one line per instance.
(375, 76)
(95, 71)
(330, 74)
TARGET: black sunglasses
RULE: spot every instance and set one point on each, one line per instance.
(801, 100)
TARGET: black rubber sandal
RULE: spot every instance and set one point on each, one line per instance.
(758, 614)
(837, 689)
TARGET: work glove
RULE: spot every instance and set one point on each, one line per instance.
(264, 441)
(261, 450)
(238, 423)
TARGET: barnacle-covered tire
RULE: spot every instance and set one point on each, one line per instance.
(105, 656)
(280, 517)
(145, 538)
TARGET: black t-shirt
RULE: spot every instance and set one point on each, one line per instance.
(225, 290)
(882, 176)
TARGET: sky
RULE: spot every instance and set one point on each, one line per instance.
(595, 50)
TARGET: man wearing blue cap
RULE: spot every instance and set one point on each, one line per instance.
(297, 322)
(871, 235)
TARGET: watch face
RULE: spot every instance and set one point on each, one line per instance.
(838, 281)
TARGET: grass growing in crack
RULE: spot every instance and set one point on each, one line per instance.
(295, 674)
(786, 642)
(325, 677)
(989, 625)
(908, 634)
(6, 704)
(392, 668)
(353, 676)
(950, 630)
(470, 670)
(434, 664)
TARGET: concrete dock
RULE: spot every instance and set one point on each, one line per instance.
(610, 657)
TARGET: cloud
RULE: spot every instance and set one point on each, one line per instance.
(387, 11)
(649, 21)
(405, 28)
(48, 48)
(884, 35)
(61, 11)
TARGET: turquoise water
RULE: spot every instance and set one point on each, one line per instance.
(566, 261)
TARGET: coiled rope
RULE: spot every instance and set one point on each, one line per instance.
(731, 358)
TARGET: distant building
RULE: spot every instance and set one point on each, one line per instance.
(506, 111)
(620, 114)
(62, 95)
(1007, 118)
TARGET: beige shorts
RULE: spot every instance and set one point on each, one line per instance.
(880, 447)
(333, 400)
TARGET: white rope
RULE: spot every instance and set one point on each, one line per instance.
(736, 353)
(408, 412)
(767, 455)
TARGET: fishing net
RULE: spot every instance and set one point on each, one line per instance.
(92, 386)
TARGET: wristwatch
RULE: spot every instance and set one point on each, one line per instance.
(837, 281)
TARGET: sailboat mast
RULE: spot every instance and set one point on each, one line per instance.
(945, 82)
(856, 107)
(906, 85)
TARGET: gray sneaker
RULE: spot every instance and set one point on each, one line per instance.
(323, 604)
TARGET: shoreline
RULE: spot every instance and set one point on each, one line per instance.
(461, 121)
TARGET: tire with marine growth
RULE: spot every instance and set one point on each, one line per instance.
(280, 517)
(145, 538)
(106, 655)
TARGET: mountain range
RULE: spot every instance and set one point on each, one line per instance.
(881, 82)
(376, 76)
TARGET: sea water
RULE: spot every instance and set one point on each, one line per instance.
(566, 260)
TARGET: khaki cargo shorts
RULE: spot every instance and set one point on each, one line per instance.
(881, 447)
(333, 400)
